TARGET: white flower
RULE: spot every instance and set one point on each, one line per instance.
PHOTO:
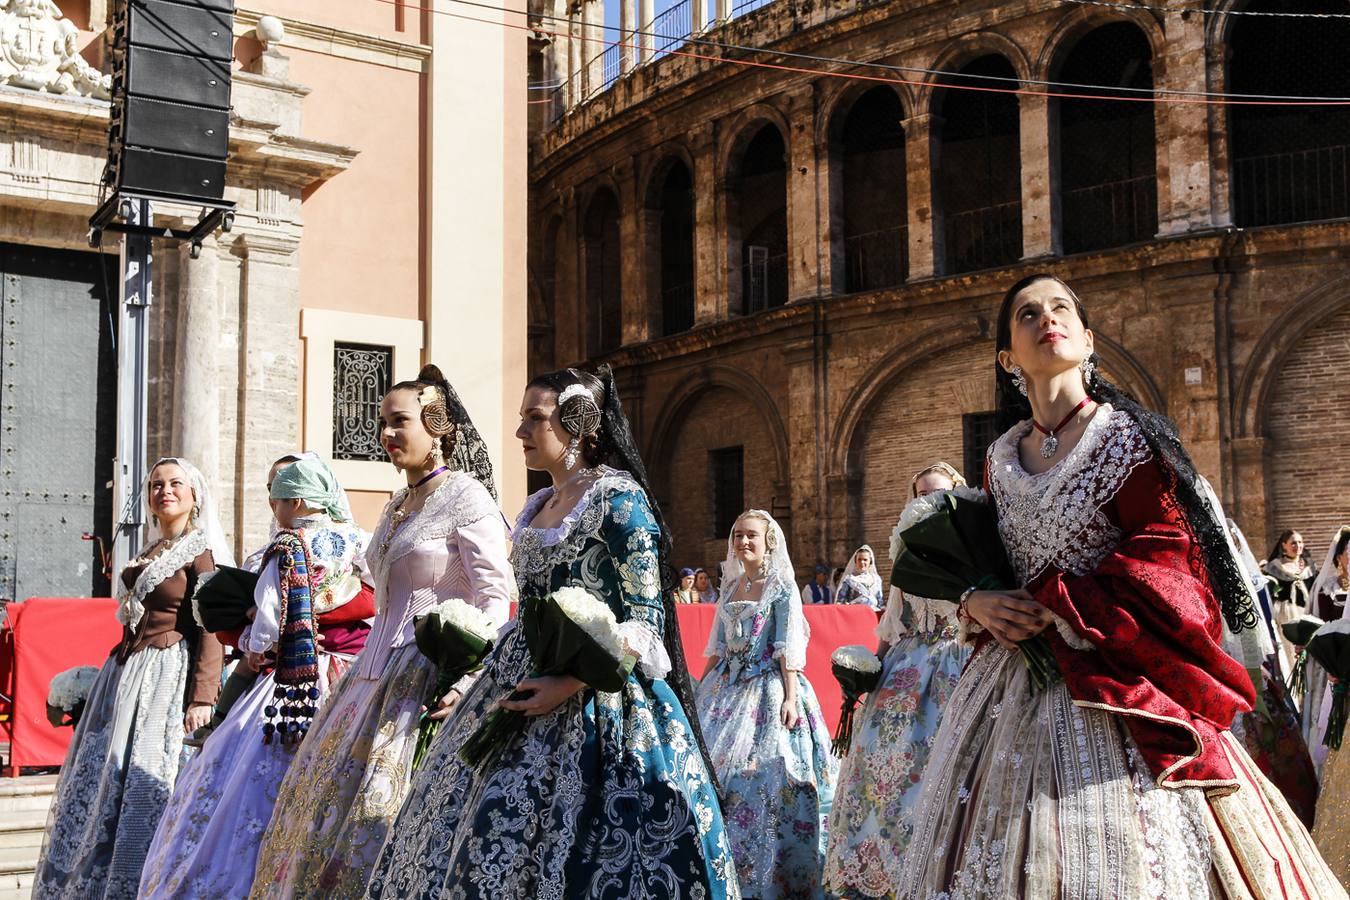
(921, 508)
(593, 616)
(466, 617)
(71, 688)
(856, 657)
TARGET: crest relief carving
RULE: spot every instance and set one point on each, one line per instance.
(38, 51)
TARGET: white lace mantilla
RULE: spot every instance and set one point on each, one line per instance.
(1056, 517)
(131, 602)
(460, 500)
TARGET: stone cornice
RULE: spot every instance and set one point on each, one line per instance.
(342, 43)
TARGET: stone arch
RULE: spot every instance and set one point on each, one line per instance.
(1252, 396)
(658, 166)
(1128, 374)
(666, 226)
(1060, 42)
(741, 130)
(840, 94)
(752, 200)
(964, 49)
(715, 408)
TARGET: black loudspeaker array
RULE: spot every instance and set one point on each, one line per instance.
(170, 130)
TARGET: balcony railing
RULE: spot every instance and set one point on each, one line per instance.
(764, 283)
(984, 238)
(876, 259)
(1300, 186)
(609, 64)
(671, 28)
(1110, 214)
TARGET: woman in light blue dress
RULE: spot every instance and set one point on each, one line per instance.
(602, 794)
(861, 584)
(769, 742)
(922, 658)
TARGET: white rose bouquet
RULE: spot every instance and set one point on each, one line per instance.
(570, 632)
(857, 670)
(67, 695)
(457, 637)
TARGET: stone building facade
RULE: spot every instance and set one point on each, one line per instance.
(794, 266)
(350, 264)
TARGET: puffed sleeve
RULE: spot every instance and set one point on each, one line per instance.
(482, 547)
(265, 629)
(631, 534)
(790, 631)
(204, 682)
(717, 638)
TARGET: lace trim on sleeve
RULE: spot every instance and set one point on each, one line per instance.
(643, 643)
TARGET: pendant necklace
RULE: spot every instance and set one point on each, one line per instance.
(397, 516)
(1050, 446)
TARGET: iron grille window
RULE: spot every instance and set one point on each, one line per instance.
(727, 467)
(361, 378)
(978, 431)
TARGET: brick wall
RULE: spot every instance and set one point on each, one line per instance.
(915, 423)
(1309, 429)
(718, 418)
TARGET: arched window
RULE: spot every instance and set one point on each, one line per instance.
(604, 305)
(670, 243)
(1289, 163)
(978, 171)
(1107, 152)
(760, 208)
(872, 214)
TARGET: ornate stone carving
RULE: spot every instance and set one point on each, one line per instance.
(38, 51)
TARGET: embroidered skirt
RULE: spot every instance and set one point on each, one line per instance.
(1028, 795)
(879, 780)
(117, 778)
(207, 842)
(346, 784)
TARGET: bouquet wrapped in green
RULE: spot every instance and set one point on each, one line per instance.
(1330, 646)
(857, 670)
(457, 637)
(570, 632)
(1298, 633)
(947, 543)
(67, 695)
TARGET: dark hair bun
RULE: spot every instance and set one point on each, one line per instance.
(430, 374)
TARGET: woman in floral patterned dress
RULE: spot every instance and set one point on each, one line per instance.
(602, 794)
(768, 740)
(879, 780)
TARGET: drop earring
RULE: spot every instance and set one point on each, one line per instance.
(1088, 368)
(1020, 380)
(570, 456)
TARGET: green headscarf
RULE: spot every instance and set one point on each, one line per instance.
(312, 481)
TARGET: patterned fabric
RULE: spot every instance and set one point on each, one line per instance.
(777, 783)
(297, 652)
(1276, 745)
(117, 778)
(349, 778)
(207, 842)
(606, 796)
(879, 779)
(1048, 795)
(1100, 541)
(1333, 814)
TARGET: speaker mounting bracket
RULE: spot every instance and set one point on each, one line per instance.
(116, 213)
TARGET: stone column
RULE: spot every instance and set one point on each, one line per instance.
(628, 50)
(698, 16)
(593, 47)
(925, 220)
(806, 441)
(1184, 140)
(646, 19)
(723, 10)
(1040, 158)
(803, 210)
(567, 342)
(196, 433)
(266, 423)
(632, 283)
(710, 300)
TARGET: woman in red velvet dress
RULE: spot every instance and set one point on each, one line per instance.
(1121, 779)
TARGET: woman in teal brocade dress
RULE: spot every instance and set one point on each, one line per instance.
(603, 794)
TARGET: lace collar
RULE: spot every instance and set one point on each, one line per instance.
(1288, 570)
(1054, 516)
(460, 500)
(538, 549)
(131, 602)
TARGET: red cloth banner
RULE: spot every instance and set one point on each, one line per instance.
(39, 639)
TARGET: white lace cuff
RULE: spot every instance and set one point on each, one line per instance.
(650, 651)
(794, 655)
(1071, 637)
